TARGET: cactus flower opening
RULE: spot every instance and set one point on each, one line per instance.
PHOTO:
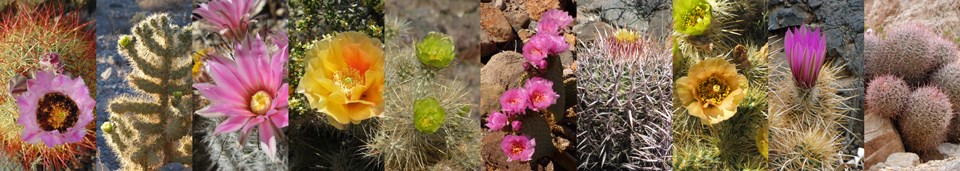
(344, 78)
(496, 121)
(805, 50)
(249, 91)
(518, 147)
(514, 101)
(55, 109)
(692, 17)
(552, 21)
(227, 17)
(712, 90)
(541, 93)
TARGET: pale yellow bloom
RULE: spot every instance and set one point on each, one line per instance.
(712, 90)
(344, 78)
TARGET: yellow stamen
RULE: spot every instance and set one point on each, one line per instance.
(260, 102)
(712, 91)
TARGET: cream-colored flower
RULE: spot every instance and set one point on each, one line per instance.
(712, 90)
(344, 78)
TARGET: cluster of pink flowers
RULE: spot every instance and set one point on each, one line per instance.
(537, 95)
(548, 39)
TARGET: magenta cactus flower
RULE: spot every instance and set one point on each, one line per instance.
(542, 45)
(516, 125)
(514, 101)
(805, 50)
(55, 109)
(227, 17)
(496, 121)
(541, 94)
(249, 91)
(552, 21)
(518, 147)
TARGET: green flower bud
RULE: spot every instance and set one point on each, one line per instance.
(436, 50)
(106, 127)
(428, 116)
(125, 40)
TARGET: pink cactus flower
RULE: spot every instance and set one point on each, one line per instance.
(805, 51)
(516, 126)
(514, 101)
(496, 121)
(542, 45)
(540, 92)
(249, 91)
(552, 21)
(518, 147)
(227, 17)
(55, 109)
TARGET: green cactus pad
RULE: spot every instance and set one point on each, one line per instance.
(428, 116)
(436, 50)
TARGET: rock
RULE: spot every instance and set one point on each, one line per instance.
(941, 15)
(881, 139)
(902, 160)
(950, 150)
(494, 24)
(592, 31)
(493, 156)
(525, 34)
(516, 13)
(503, 71)
(536, 7)
(783, 17)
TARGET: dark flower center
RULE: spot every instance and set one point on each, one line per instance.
(56, 111)
(712, 91)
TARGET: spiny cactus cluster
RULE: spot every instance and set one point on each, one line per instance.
(928, 110)
(909, 51)
(398, 138)
(153, 128)
(230, 154)
(926, 67)
(887, 96)
(625, 105)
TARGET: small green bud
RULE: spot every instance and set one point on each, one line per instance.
(177, 94)
(125, 40)
(436, 50)
(106, 127)
(428, 116)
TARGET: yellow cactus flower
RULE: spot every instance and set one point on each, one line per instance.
(626, 36)
(712, 90)
(344, 78)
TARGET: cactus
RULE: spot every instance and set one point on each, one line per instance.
(152, 129)
(397, 139)
(928, 113)
(230, 154)
(624, 105)
(908, 51)
(887, 96)
(816, 114)
(947, 80)
(27, 33)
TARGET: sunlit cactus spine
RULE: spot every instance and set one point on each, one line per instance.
(910, 51)
(404, 142)
(928, 113)
(152, 128)
(625, 84)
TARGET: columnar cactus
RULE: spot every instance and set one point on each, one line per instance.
(887, 96)
(153, 128)
(625, 104)
(928, 113)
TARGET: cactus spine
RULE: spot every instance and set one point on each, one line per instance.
(152, 129)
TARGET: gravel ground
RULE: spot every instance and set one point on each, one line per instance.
(113, 19)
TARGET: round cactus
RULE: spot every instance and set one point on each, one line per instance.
(906, 52)
(887, 96)
(947, 79)
(928, 113)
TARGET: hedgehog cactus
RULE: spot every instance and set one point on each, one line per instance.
(948, 80)
(887, 96)
(909, 51)
(624, 86)
(928, 113)
(28, 34)
(153, 128)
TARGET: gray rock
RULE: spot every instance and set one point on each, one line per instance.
(902, 160)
